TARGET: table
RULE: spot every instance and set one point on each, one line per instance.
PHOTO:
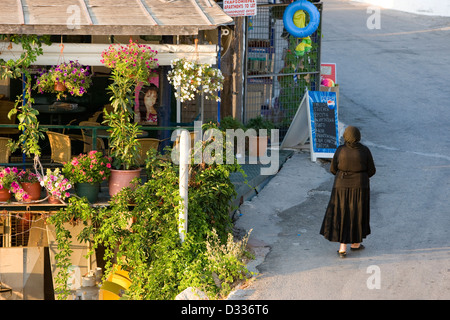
(59, 109)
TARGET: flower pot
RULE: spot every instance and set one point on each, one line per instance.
(5, 195)
(120, 179)
(54, 200)
(88, 190)
(259, 146)
(33, 189)
(59, 86)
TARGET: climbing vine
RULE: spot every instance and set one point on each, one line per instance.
(19, 68)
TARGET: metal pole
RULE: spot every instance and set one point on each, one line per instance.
(218, 61)
(202, 107)
(185, 142)
(244, 98)
(178, 106)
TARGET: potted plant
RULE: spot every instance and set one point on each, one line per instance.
(30, 184)
(86, 172)
(258, 143)
(131, 65)
(56, 184)
(9, 184)
(69, 77)
(192, 77)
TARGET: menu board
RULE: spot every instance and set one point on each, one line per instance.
(323, 124)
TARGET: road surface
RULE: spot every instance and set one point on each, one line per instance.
(393, 73)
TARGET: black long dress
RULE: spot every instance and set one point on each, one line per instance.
(347, 218)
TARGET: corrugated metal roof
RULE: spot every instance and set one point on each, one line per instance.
(106, 17)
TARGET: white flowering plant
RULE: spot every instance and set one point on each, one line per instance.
(55, 183)
(192, 77)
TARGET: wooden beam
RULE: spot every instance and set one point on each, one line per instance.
(86, 11)
(200, 10)
(102, 29)
(20, 12)
(146, 12)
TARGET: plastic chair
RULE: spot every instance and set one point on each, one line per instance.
(87, 137)
(5, 152)
(60, 146)
(146, 144)
(177, 141)
(94, 116)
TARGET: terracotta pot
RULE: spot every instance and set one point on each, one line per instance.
(257, 149)
(4, 195)
(121, 178)
(33, 189)
(59, 86)
(54, 200)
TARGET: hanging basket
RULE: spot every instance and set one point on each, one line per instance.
(59, 86)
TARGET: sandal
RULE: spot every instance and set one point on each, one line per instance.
(361, 247)
(342, 254)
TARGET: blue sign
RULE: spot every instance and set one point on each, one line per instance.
(323, 124)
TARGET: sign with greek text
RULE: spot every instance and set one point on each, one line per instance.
(239, 8)
(323, 124)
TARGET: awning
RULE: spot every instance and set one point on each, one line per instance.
(90, 53)
(110, 17)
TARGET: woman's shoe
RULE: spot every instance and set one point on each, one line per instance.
(361, 247)
(342, 254)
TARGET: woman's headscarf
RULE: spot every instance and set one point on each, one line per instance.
(352, 135)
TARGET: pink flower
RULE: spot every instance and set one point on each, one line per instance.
(14, 185)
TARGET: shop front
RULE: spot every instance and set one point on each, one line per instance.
(81, 31)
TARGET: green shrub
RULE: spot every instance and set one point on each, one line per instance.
(143, 237)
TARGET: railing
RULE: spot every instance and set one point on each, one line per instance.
(94, 132)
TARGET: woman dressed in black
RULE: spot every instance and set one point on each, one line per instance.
(348, 213)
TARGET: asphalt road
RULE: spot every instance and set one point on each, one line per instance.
(394, 86)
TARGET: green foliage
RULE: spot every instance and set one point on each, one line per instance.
(31, 133)
(77, 211)
(92, 167)
(230, 123)
(260, 123)
(27, 115)
(130, 65)
(143, 237)
(123, 132)
(32, 48)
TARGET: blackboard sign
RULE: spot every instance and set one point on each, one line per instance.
(323, 124)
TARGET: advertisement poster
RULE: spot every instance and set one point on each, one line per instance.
(147, 103)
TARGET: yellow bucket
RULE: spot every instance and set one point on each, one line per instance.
(115, 286)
